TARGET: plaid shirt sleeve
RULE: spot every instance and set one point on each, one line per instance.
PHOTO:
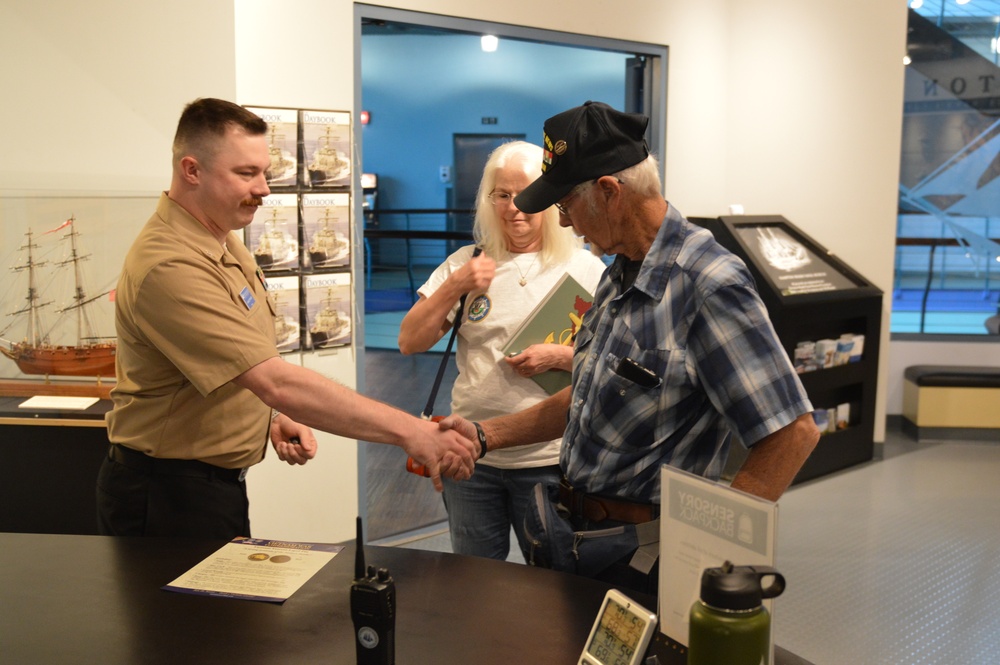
(741, 365)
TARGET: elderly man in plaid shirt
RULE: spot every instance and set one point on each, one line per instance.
(676, 358)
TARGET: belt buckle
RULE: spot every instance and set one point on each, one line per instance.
(599, 508)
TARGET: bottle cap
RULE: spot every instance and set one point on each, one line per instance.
(732, 587)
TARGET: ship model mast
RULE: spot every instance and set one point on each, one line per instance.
(84, 327)
(36, 354)
(33, 307)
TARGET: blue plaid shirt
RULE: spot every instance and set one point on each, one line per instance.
(694, 319)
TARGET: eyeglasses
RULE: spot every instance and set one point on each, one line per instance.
(562, 205)
(501, 198)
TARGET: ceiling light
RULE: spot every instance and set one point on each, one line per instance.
(489, 43)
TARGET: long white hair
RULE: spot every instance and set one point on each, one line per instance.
(558, 243)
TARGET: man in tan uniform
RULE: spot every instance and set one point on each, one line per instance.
(201, 386)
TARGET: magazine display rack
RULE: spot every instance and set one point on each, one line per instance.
(303, 235)
(816, 301)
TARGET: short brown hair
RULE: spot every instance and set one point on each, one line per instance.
(206, 119)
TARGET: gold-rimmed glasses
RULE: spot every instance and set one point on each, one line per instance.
(500, 198)
(562, 206)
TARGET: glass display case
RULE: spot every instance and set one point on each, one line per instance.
(62, 255)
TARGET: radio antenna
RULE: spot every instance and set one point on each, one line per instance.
(359, 555)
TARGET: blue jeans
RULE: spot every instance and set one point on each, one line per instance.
(482, 510)
(620, 574)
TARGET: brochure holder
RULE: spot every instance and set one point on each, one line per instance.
(814, 297)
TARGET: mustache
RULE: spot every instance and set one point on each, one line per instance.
(254, 201)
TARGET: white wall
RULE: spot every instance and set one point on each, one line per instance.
(814, 128)
(784, 106)
(92, 90)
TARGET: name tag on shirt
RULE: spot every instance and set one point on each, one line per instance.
(248, 298)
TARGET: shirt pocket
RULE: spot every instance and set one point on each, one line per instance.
(638, 373)
(631, 411)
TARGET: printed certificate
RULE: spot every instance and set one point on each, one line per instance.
(256, 569)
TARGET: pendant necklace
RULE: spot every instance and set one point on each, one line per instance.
(524, 275)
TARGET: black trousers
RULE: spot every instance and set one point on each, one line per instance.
(138, 495)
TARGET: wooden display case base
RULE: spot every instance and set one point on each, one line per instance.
(99, 388)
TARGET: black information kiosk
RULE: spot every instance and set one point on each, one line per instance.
(829, 320)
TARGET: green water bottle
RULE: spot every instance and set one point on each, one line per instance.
(729, 625)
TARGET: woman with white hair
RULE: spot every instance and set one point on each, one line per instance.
(523, 256)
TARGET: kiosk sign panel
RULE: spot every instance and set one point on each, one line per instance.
(791, 266)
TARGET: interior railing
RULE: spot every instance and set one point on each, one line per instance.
(403, 247)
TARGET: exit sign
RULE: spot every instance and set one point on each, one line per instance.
(489, 120)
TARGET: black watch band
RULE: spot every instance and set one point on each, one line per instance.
(482, 440)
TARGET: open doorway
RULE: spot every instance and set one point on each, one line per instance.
(425, 82)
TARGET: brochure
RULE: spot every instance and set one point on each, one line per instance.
(326, 147)
(286, 293)
(282, 144)
(326, 231)
(256, 569)
(703, 524)
(273, 235)
(328, 310)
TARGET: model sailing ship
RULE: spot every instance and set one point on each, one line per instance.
(35, 354)
(329, 326)
(326, 247)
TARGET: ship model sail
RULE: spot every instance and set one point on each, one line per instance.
(35, 354)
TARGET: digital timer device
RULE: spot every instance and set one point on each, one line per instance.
(621, 632)
(373, 610)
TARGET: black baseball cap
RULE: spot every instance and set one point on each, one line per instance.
(581, 144)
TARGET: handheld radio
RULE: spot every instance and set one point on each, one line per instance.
(373, 610)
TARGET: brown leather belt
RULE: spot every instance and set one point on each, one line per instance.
(599, 508)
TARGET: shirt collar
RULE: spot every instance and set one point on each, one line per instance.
(190, 231)
(662, 254)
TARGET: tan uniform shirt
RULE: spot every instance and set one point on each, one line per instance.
(191, 317)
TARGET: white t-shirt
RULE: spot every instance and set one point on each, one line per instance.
(486, 386)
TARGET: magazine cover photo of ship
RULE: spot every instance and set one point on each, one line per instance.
(325, 227)
(285, 293)
(326, 149)
(328, 305)
(273, 235)
(282, 144)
